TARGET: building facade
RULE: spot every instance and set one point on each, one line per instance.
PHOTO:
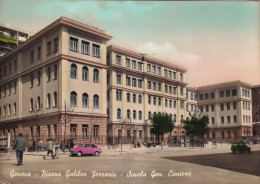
(10, 38)
(256, 110)
(54, 85)
(229, 109)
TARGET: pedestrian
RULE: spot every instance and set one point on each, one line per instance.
(34, 149)
(56, 149)
(20, 146)
(71, 144)
(40, 143)
(49, 150)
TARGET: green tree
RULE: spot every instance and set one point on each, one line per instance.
(161, 124)
(196, 125)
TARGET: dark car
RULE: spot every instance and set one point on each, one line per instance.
(151, 144)
(240, 147)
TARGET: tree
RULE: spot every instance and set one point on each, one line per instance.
(196, 125)
(161, 124)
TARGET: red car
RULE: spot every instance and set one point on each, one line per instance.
(87, 148)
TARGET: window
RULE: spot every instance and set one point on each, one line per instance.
(222, 120)
(235, 118)
(234, 105)
(134, 114)
(140, 83)
(133, 82)
(4, 114)
(149, 115)
(55, 99)
(154, 100)
(140, 115)
(118, 79)
(49, 74)
(159, 70)
(38, 103)
(187, 96)
(228, 119)
(55, 72)
(222, 107)
(174, 104)
(154, 69)
(48, 100)
(201, 108)
(118, 113)
(73, 98)
(127, 62)
(166, 89)
(31, 57)
(119, 95)
(170, 74)
(170, 89)
(234, 92)
(15, 66)
(243, 92)
(159, 101)
(228, 106)
(10, 87)
(85, 100)
(139, 66)
(4, 91)
(134, 64)
(165, 73)
(201, 96)
(73, 44)
(140, 99)
(73, 71)
(212, 95)
(39, 55)
(128, 81)
(212, 108)
(128, 97)
(148, 68)
(207, 108)
(95, 75)
(96, 101)
(221, 94)
(9, 110)
(10, 68)
(159, 86)
(134, 98)
(227, 93)
(128, 114)
(55, 44)
(85, 47)
(149, 86)
(174, 90)
(213, 120)
(39, 78)
(154, 85)
(73, 130)
(31, 105)
(166, 103)
(84, 130)
(149, 99)
(49, 48)
(31, 81)
(170, 103)
(118, 60)
(96, 131)
(206, 96)
(181, 76)
(181, 91)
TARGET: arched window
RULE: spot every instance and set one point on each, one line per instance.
(128, 114)
(234, 105)
(95, 75)
(85, 73)
(166, 103)
(119, 95)
(140, 99)
(73, 98)
(154, 100)
(55, 72)
(96, 101)
(149, 99)
(174, 118)
(85, 100)
(222, 119)
(170, 102)
(159, 101)
(134, 98)
(55, 100)
(134, 114)
(48, 100)
(213, 120)
(73, 71)
(118, 113)
(128, 97)
(174, 104)
(140, 115)
(38, 103)
(48, 74)
(149, 115)
(39, 78)
(235, 119)
(31, 104)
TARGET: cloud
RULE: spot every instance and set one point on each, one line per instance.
(169, 52)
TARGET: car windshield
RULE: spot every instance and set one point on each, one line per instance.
(79, 145)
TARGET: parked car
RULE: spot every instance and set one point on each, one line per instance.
(87, 148)
(240, 147)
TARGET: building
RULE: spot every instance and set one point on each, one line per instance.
(229, 108)
(63, 64)
(10, 38)
(138, 87)
(256, 109)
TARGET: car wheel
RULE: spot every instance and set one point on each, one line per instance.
(96, 153)
(79, 154)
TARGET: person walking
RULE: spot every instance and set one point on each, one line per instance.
(49, 150)
(20, 146)
(40, 142)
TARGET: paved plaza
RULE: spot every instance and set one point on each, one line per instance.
(153, 165)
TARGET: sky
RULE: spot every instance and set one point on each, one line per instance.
(217, 41)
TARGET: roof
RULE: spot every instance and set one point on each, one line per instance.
(139, 55)
(225, 84)
(61, 21)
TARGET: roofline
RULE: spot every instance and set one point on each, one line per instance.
(14, 29)
(192, 88)
(59, 22)
(148, 58)
(237, 82)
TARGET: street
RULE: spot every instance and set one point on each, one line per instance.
(195, 166)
